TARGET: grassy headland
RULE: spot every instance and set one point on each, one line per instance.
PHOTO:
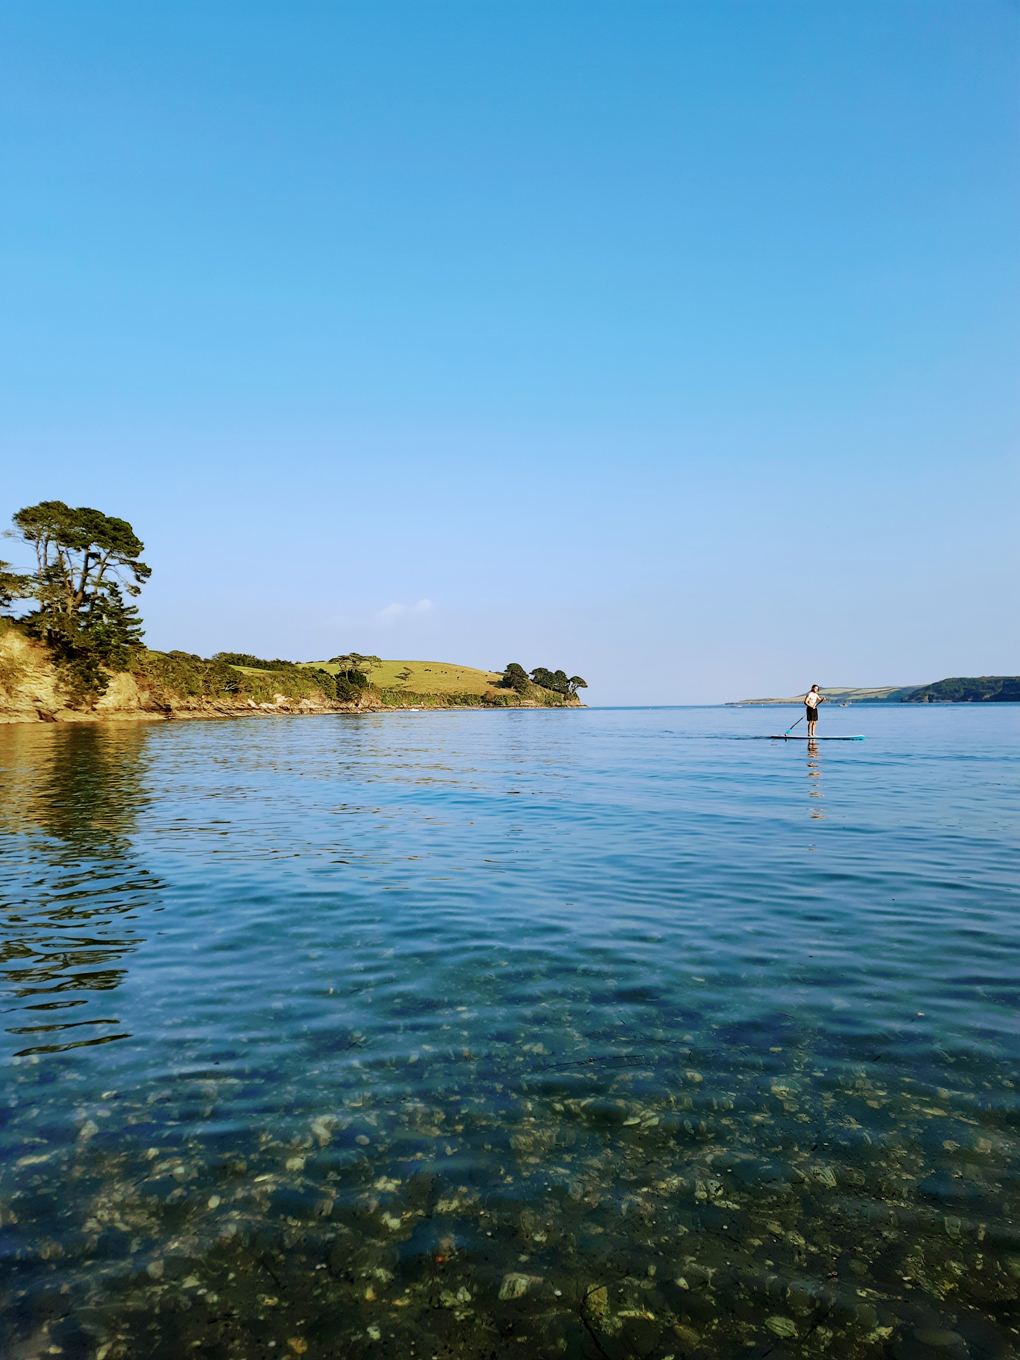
(36, 685)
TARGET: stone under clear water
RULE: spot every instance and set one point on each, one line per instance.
(514, 1034)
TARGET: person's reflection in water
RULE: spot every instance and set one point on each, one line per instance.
(73, 797)
(814, 764)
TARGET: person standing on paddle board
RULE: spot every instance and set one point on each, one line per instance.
(811, 701)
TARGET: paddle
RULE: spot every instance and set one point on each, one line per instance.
(790, 729)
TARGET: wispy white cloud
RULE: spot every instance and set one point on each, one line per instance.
(387, 617)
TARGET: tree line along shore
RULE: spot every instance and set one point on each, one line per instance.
(71, 648)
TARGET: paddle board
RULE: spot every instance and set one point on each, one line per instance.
(797, 737)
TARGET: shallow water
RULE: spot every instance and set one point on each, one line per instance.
(591, 1034)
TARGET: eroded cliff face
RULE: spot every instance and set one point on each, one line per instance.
(28, 682)
(31, 690)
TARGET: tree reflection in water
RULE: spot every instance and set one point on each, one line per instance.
(71, 799)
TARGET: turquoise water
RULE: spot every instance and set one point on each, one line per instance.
(606, 1033)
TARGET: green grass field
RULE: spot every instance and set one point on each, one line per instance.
(427, 677)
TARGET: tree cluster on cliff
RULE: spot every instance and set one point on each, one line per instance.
(969, 689)
(353, 676)
(86, 563)
(515, 677)
(353, 664)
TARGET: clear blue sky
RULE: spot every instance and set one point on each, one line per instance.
(672, 343)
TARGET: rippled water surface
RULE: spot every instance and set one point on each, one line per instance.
(584, 1034)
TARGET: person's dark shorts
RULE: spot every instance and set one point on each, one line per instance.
(812, 713)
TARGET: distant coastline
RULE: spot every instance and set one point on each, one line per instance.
(979, 689)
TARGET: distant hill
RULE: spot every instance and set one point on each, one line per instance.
(978, 689)
(892, 696)
(841, 694)
(982, 689)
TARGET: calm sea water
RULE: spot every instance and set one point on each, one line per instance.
(603, 1034)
